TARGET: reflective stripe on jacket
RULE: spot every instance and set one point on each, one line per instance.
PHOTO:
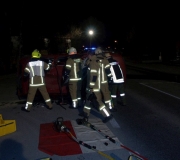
(36, 68)
(99, 69)
(73, 68)
(116, 71)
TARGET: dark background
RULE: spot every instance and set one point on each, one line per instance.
(141, 28)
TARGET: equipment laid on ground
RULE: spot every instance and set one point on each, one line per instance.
(88, 124)
(7, 126)
(60, 127)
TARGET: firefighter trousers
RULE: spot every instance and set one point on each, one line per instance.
(98, 104)
(32, 92)
(106, 95)
(117, 88)
(75, 92)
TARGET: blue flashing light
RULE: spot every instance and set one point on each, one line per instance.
(92, 48)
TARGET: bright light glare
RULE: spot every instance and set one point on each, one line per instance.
(91, 32)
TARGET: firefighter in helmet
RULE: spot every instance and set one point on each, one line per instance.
(73, 73)
(99, 68)
(35, 70)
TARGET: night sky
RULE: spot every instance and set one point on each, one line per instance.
(151, 22)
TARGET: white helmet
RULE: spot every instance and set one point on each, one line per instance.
(98, 50)
(72, 49)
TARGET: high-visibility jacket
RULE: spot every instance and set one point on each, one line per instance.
(73, 67)
(116, 71)
(99, 71)
(35, 68)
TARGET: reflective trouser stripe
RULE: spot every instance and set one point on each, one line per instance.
(32, 92)
(106, 112)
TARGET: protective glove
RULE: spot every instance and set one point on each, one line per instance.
(65, 79)
(91, 90)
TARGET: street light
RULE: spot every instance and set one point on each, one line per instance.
(116, 44)
(90, 33)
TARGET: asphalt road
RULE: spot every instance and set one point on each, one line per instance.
(23, 143)
(149, 124)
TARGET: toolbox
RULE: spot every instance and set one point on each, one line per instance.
(7, 126)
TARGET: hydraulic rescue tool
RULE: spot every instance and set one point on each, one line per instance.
(88, 124)
(60, 127)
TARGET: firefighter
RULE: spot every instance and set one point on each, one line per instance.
(85, 74)
(116, 84)
(73, 72)
(35, 70)
(97, 88)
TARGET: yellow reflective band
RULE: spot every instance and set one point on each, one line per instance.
(104, 82)
(27, 69)
(42, 79)
(96, 90)
(99, 83)
(107, 66)
(75, 74)
(48, 100)
(93, 71)
(68, 66)
(74, 100)
(102, 72)
(35, 85)
(32, 80)
(32, 70)
(87, 107)
(101, 108)
(106, 112)
(41, 70)
(75, 79)
(107, 101)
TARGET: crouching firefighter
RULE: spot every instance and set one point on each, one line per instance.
(73, 73)
(97, 66)
(35, 70)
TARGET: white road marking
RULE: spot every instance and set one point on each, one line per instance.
(160, 91)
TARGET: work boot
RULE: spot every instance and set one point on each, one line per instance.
(24, 109)
(86, 118)
(45, 105)
(106, 119)
(84, 115)
(50, 108)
